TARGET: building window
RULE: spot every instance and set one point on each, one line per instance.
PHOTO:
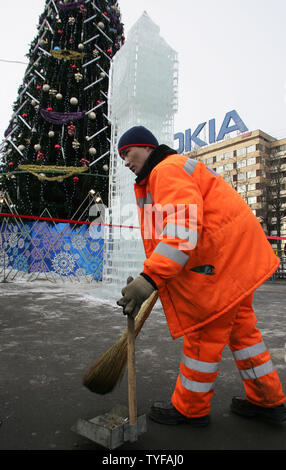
(251, 174)
(261, 173)
(251, 148)
(241, 163)
(252, 200)
(219, 158)
(241, 189)
(219, 169)
(227, 155)
(251, 187)
(251, 161)
(261, 160)
(228, 166)
(241, 151)
(241, 176)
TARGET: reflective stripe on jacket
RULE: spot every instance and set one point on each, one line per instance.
(204, 247)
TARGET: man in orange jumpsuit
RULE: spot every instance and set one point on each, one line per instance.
(206, 253)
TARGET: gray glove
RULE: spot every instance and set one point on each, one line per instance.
(134, 294)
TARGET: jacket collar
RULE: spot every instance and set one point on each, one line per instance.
(155, 157)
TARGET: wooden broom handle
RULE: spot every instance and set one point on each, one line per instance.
(133, 329)
(131, 372)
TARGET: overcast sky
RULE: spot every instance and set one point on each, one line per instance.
(231, 56)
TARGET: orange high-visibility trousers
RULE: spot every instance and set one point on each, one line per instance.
(202, 351)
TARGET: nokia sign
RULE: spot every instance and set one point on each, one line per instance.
(186, 140)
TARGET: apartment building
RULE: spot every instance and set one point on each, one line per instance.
(254, 164)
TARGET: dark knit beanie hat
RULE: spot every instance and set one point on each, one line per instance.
(137, 136)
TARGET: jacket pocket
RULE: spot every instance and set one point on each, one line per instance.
(206, 269)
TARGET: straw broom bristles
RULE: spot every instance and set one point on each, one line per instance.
(107, 371)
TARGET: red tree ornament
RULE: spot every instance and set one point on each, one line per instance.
(71, 129)
(40, 156)
(75, 179)
(84, 162)
(57, 147)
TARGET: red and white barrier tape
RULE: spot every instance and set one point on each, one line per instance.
(83, 222)
(66, 221)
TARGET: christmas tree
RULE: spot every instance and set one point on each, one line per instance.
(57, 144)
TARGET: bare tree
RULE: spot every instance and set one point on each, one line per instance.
(273, 194)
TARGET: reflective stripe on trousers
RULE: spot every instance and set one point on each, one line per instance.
(199, 387)
(257, 372)
(251, 351)
(209, 367)
(199, 366)
(247, 353)
(237, 329)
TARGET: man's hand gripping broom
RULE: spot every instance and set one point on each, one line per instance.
(107, 371)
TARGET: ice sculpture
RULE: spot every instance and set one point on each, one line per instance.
(142, 91)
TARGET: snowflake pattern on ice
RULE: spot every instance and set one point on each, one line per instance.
(64, 263)
(94, 245)
(36, 253)
(13, 239)
(21, 243)
(78, 241)
(20, 263)
(38, 267)
(60, 249)
(4, 259)
(80, 272)
(52, 242)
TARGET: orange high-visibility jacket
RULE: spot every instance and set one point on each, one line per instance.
(208, 251)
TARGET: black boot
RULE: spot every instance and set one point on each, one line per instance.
(275, 415)
(165, 413)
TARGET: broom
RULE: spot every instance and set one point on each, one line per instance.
(107, 371)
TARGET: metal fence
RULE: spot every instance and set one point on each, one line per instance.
(281, 271)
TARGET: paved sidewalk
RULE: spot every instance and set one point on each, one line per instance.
(50, 334)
